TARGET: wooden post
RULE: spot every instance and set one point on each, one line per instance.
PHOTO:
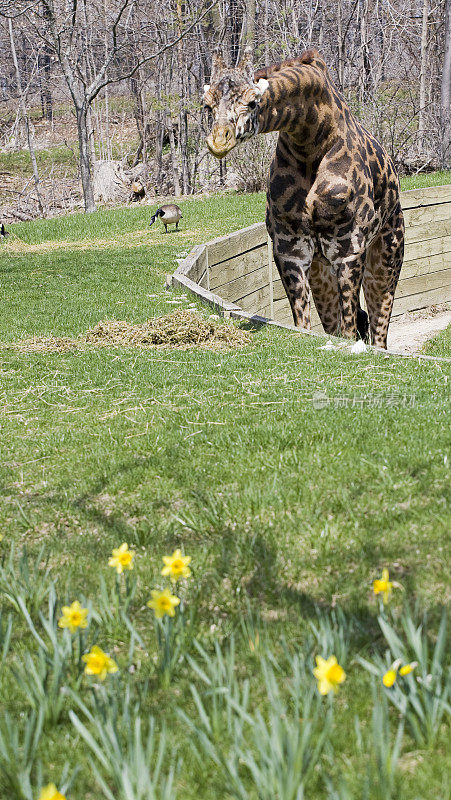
(270, 278)
(207, 267)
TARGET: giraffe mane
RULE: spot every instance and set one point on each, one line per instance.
(307, 57)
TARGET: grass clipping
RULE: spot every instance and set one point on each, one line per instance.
(181, 329)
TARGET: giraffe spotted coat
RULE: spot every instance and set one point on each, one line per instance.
(333, 207)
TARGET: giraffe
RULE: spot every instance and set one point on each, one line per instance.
(333, 209)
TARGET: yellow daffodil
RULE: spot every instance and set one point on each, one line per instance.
(122, 558)
(329, 674)
(176, 566)
(74, 617)
(389, 678)
(50, 792)
(99, 663)
(163, 603)
(383, 586)
(408, 668)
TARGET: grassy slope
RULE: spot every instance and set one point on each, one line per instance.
(221, 453)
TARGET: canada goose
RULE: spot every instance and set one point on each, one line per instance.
(168, 214)
(3, 232)
(138, 190)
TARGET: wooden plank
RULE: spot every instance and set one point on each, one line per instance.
(194, 264)
(208, 297)
(255, 300)
(426, 214)
(413, 302)
(270, 273)
(264, 311)
(423, 283)
(423, 266)
(278, 289)
(241, 287)
(430, 247)
(228, 246)
(237, 266)
(425, 197)
(422, 233)
(282, 312)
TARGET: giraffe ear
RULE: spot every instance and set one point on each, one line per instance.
(262, 85)
(217, 63)
(246, 62)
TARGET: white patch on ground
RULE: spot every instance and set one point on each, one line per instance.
(358, 347)
(409, 332)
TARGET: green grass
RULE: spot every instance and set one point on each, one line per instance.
(440, 345)
(422, 180)
(19, 162)
(281, 505)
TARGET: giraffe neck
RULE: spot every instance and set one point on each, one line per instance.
(300, 103)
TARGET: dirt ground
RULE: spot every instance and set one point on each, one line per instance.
(409, 332)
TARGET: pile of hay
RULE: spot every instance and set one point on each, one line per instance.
(179, 329)
(182, 329)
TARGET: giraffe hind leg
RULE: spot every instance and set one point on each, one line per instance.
(323, 283)
(381, 276)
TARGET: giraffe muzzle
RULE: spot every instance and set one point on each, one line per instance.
(222, 139)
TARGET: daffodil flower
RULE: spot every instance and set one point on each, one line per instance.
(74, 617)
(390, 676)
(122, 558)
(408, 668)
(329, 674)
(99, 663)
(163, 603)
(383, 586)
(176, 566)
(50, 792)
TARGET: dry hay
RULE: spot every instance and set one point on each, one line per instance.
(44, 344)
(181, 329)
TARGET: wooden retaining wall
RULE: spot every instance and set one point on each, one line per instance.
(236, 272)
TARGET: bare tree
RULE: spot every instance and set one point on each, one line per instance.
(24, 114)
(445, 94)
(68, 28)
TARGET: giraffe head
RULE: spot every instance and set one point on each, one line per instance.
(233, 99)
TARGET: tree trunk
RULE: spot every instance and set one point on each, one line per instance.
(423, 67)
(91, 141)
(175, 170)
(236, 22)
(250, 22)
(24, 114)
(364, 66)
(183, 116)
(445, 94)
(85, 166)
(267, 32)
(160, 130)
(341, 47)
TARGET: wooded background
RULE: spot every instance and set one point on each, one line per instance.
(135, 66)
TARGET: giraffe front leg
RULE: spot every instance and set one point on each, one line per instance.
(293, 257)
